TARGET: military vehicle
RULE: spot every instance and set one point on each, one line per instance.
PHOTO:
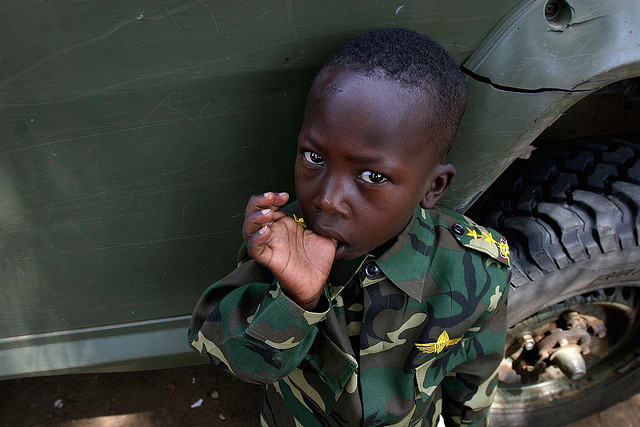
(132, 134)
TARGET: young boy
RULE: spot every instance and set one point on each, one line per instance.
(363, 304)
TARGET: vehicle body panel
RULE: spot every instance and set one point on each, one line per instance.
(526, 73)
(132, 135)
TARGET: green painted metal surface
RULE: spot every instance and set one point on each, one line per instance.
(149, 344)
(132, 134)
(528, 71)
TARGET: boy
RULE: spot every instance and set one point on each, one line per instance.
(363, 303)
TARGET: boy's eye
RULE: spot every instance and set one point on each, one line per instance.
(372, 177)
(313, 157)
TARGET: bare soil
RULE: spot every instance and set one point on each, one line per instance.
(165, 397)
(150, 398)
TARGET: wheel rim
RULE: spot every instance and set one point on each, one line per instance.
(611, 355)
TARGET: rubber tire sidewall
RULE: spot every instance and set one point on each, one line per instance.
(601, 271)
(618, 268)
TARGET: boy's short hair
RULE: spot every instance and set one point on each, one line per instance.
(416, 62)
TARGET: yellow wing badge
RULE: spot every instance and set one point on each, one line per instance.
(437, 347)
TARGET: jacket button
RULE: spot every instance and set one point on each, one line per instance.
(371, 269)
(457, 229)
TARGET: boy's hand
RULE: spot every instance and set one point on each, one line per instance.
(298, 258)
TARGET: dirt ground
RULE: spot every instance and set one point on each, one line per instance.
(624, 414)
(166, 397)
(152, 398)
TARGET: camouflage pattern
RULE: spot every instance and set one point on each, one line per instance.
(396, 339)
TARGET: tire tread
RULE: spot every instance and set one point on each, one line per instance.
(570, 201)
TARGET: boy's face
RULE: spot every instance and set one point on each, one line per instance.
(365, 160)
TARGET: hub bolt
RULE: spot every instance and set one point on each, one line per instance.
(528, 342)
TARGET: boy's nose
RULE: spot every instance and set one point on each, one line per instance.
(333, 197)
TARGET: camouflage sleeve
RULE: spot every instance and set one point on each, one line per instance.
(469, 389)
(247, 325)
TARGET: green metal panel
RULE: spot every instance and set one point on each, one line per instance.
(129, 346)
(131, 136)
(527, 72)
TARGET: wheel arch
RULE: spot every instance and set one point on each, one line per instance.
(528, 72)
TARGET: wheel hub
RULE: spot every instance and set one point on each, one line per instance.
(570, 361)
(561, 342)
(568, 348)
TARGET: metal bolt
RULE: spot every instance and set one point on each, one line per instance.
(528, 342)
(551, 9)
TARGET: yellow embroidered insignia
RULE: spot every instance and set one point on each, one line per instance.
(473, 233)
(504, 250)
(436, 347)
(300, 221)
(488, 237)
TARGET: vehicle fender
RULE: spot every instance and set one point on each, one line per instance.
(528, 71)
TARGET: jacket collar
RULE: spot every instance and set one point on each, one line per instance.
(408, 261)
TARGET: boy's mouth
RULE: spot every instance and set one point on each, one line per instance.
(326, 231)
(331, 233)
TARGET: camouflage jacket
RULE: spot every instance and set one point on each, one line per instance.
(396, 339)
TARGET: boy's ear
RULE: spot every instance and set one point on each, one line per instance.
(439, 180)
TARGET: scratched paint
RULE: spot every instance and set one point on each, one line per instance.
(152, 124)
(131, 135)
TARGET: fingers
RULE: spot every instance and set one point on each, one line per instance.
(260, 243)
(281, 199)
(261, 211)
(257, 242)
(267, 200)
(255, 221)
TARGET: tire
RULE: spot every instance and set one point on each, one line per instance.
(571, 214)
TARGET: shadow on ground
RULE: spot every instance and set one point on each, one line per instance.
(166, 397)
(151, 398)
